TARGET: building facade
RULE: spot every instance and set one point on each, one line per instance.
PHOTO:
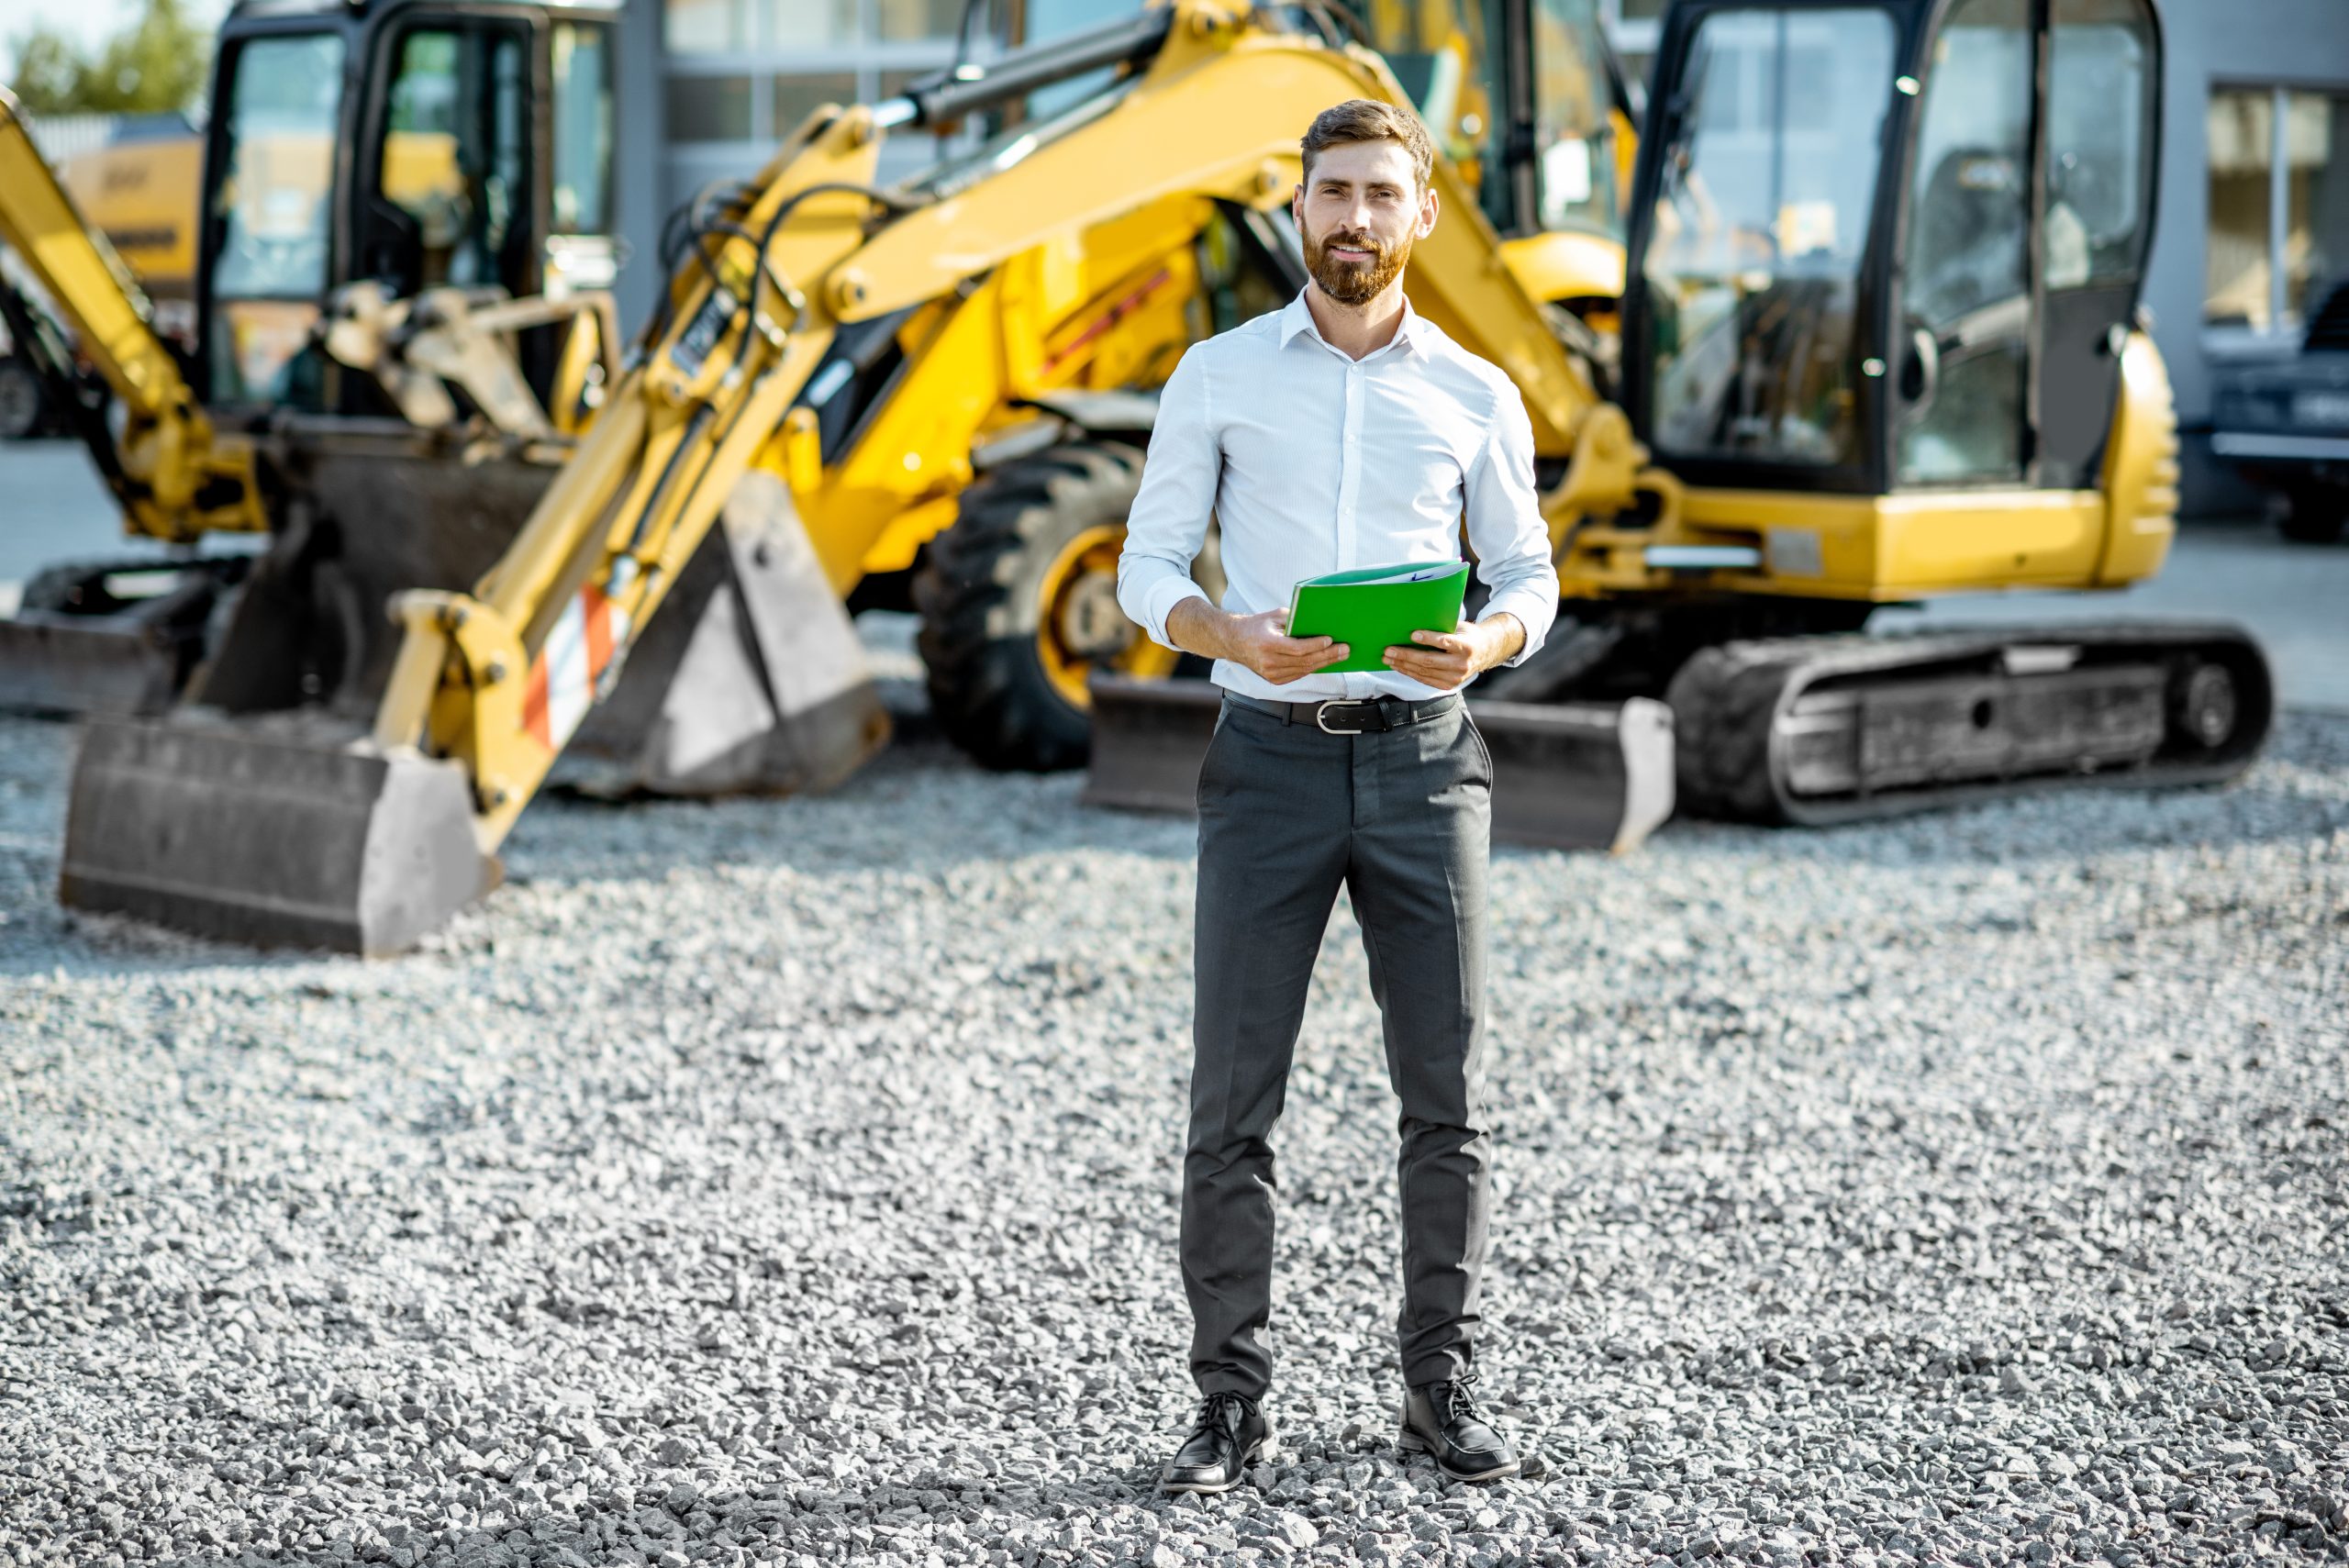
(2254, 206)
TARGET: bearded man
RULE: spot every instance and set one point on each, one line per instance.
(1342, 430)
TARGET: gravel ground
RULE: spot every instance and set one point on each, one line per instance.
(794, 1183)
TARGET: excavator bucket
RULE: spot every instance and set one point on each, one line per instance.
(260, 810)
(1566, 775)
(276, 824)
(110, 637)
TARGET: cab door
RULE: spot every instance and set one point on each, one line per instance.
(2102, 153)
(2028, 200)
(485, 162)
(446, 169)
(270, 244)
(1754, 295)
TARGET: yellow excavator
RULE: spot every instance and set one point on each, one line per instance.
(388, 202)
(1879, 342)
(842, 371)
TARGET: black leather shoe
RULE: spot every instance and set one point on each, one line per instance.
(1442, 1418)
(1230, 1435)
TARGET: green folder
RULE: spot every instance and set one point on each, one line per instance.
(1372, 608)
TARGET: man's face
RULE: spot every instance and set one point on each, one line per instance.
(1359, 212)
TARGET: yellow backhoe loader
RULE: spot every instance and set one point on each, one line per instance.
(842, 371)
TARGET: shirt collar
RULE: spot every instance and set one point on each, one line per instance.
(1297, 317)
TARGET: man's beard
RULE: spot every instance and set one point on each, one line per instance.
(1355, 283)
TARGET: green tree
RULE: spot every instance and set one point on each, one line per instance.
(158, 63)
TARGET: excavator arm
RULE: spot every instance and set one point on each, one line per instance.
(175, 476)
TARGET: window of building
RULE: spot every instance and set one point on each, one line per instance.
(796, 96)
(2279, 205)
(705, 27)
(917, 18)
(742, 73)
(818, 24)
(709, 108)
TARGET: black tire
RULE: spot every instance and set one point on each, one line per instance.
(980, 596)
(2313, 515)
(24, 406)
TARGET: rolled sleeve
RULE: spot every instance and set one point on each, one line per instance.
(1168, 523)
(1505, 528)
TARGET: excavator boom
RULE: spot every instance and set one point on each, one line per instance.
(175, 478)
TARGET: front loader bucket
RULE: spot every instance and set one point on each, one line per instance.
(289, 839)
(1566, 775)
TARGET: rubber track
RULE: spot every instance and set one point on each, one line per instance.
(1727, 699)
(47, 588)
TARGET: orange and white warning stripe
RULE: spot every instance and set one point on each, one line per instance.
(570, 673)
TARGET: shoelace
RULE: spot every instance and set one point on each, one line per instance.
(1225, 1410)
(1463, 1403)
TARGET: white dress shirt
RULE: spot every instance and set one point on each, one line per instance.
(1313, 461)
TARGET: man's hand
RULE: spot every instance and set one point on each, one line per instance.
(1259, 642)
(1446, 659)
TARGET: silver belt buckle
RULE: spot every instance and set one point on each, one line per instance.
(1321, 716)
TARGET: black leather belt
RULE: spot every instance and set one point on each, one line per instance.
(1356, 717)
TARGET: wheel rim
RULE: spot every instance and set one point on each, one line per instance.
(1079, 628)
(2210, 706)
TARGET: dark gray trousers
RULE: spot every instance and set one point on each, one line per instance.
(1403, 821)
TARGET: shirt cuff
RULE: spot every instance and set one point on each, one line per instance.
(1163, 597)
(1528, 606)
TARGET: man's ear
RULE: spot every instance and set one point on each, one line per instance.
(1296, 205)
(1426, 212)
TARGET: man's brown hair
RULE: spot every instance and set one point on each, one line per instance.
(1367, 119)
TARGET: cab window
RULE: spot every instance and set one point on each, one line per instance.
(271, 221)
(1759, 232)
(455, 165)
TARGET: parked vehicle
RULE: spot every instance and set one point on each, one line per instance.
(2285, 424)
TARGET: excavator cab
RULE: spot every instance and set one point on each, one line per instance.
(1896, 249)
(415, 146)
